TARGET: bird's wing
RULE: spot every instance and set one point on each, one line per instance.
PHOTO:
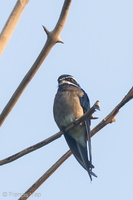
(85, 103)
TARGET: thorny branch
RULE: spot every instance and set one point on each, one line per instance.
(11, 23)
(52, 38)
(108, 119)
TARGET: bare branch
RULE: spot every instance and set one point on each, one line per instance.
(11, 23)
(50, 139)
(45, 176)
(52, 38)
(108, 120)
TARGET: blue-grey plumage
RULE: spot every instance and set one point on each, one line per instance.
(70, 103)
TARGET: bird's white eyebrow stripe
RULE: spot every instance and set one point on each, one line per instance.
(68, 77)
(68, 82)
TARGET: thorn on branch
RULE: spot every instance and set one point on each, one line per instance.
(60, 41)
(46, 30)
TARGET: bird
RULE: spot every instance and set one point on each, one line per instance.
(70, 103)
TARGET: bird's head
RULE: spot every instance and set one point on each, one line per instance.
(66, 79)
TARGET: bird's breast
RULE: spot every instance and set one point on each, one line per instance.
(67, 108)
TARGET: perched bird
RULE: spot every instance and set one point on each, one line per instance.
(70, 103)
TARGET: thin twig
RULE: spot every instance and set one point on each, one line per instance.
(50, 139)
(108, 120)
(11, 23)
(52, 38)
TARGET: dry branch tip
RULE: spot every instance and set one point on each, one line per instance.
(97, 105)
(113, 120)
(93, 117)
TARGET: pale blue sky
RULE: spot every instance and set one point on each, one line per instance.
(98, 51)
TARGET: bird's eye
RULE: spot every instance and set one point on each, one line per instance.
(73, 81)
